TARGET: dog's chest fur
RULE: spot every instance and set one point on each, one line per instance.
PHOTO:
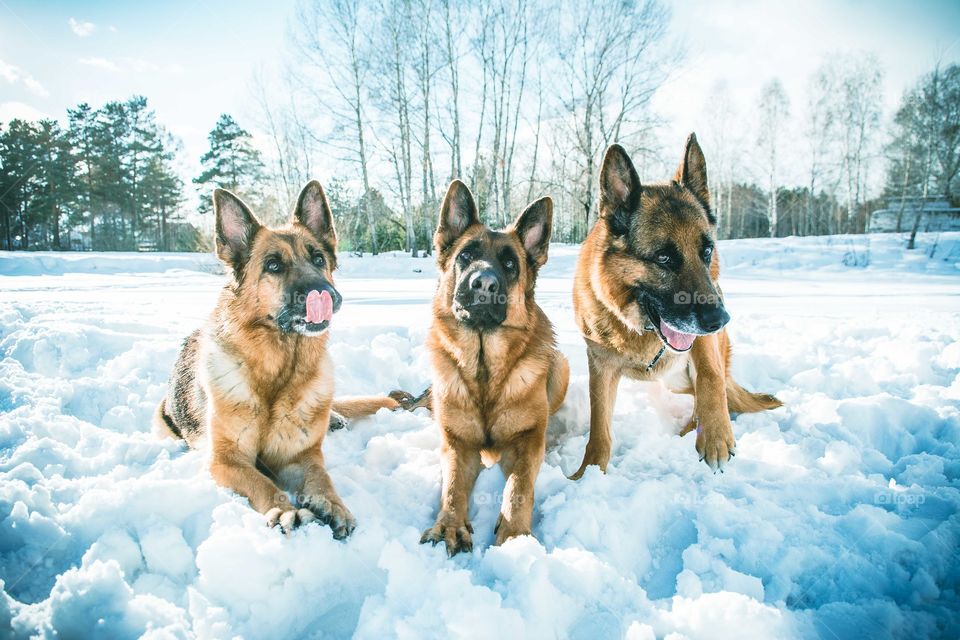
(491, 387)
(287, 385)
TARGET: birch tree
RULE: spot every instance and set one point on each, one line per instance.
(333, 37)
(858, 102)
(774, 111)
(612, 61)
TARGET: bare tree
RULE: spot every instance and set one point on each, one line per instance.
(292, 145)
(719, 137)
(504, 50)
(426, 68)
(611, 67)
(859, 98)
(820, 136)
(333, 40)
(943, 98)
(452, 29)
(398, 39)
(774, 111)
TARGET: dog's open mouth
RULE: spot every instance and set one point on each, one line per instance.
(302, 326)
(319, 313)
(677, 340)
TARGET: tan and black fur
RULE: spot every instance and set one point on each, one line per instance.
(649, 269)
(498, 375)
(256, 382)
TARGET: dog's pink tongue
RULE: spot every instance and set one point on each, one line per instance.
(677, 339)
(319, 306)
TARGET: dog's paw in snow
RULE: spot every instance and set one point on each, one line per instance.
(454, 533)
(409, 402)
(332, 513)
(505, 530)
(337, 421)
(289, 519)
(715, 442)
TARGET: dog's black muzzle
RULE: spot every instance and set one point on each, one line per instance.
(480, 301)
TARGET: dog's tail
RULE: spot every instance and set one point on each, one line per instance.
(739, 400)
(163, 424)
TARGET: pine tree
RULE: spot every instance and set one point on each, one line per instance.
(231, 163)
(36, 183)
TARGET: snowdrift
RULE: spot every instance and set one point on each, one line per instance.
(838, 517)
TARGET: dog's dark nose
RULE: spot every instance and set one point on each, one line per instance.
(713, 318)
(485, 282)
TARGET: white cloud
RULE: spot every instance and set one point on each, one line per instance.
(14, 75)
(82, 29)
(11, 110)
(100, 63)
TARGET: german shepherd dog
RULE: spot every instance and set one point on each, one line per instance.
(647, 301)
(498, 374)
(256, 381)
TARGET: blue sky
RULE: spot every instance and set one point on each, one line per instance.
(192, 60)
(196, 60)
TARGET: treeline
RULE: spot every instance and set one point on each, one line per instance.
(522, 98)
(387, 101)
(823, 168)
(105, 182)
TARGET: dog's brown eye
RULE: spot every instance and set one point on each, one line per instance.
(663, 259)
(273, 265)
(707, 254)
(318, 260)
(509, 264)
(465, 257)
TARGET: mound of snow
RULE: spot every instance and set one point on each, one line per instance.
(840, 516)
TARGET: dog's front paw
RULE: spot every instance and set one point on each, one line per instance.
(332, 513)
(409, 402)
(455, 534)
(337, 421)
(289, 519)
(505, 530)
(715, 442)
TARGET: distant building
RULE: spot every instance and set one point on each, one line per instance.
(936, 215)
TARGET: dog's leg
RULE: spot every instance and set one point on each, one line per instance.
(233, 464)
(347, 409)
(520, 464)
(461, 465)
(319, 496)
(715, 441)
(362, 406)
(604, 380)
(557, 379)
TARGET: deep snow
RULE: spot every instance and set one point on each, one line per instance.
(838, 517)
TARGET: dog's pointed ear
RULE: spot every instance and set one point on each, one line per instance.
(457, 214)
(534, 227)
(236, 228)
(620, 189)
(313, 211)
(692, 172)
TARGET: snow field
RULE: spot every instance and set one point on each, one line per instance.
(838, 517)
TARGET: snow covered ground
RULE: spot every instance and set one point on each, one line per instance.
(837, 519)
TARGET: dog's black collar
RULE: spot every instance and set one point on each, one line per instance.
(657, 357)
(643, 299)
